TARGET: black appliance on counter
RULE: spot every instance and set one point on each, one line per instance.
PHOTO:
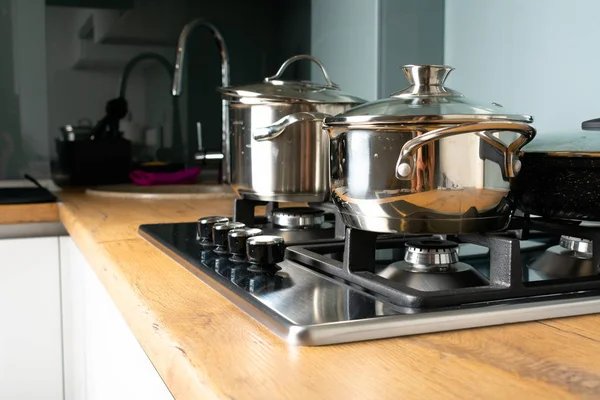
(94, 155)
(92, 162)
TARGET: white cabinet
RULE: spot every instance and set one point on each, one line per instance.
(30, 330)
(102, 358)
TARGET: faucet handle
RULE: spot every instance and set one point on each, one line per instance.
(199, 135)
(203, 155)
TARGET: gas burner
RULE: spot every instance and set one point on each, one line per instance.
(297, 225)
(577, 245)
(432, 265)
(298, 217)
(431, 255)
(571, 258)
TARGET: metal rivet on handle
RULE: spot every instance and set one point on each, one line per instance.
(404, 170)
(517, 166)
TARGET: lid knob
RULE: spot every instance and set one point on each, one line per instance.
(426, 75)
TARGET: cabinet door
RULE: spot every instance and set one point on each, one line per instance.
(30, 334)
(103, 359)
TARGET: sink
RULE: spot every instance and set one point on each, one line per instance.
(164, 192)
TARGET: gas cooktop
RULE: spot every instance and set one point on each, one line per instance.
(312, 282)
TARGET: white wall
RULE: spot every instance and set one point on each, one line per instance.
(537, 57)
(344, 36)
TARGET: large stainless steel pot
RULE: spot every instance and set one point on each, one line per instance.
(425, 160)
(279, 151)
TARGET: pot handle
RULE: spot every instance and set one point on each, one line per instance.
(406, 161)
(272, 131)
(303, 57)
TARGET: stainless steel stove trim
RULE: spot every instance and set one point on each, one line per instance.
(386, 326)
(406, 325)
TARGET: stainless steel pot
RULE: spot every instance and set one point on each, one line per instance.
(279, 151)
(426, 160)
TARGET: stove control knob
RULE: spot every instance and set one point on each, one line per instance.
(237, 242)
(265, 249)
(204, 229)
(220, 232)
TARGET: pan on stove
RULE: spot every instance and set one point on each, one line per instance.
(560, 175)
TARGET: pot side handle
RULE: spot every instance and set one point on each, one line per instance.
(272, 131)
(512, 164)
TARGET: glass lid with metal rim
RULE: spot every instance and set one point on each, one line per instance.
(273, 89)
(426, 100)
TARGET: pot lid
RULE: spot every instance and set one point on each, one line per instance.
(585, 143)
(273, 89)
(426, 100)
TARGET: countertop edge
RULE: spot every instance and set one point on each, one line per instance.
(29, 213)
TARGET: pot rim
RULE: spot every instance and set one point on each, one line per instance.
(366, 121)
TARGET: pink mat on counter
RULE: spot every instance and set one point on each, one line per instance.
(143, 178)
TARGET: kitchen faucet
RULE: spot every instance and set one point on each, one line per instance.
(178, 83)
(179, 141)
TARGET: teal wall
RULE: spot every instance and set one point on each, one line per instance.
(411, 32)
(363, 43)
(10, 130)
(260, 35)
(345, 37)
(535, 56)
(23, 97)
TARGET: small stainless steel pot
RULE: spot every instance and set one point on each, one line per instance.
(82, 131)
(426, 160)
(279, 151)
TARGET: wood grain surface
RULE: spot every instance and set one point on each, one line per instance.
(204, 347)
(28, 213)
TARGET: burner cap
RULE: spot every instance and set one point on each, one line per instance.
(427, 253)
(431, 243)
(298, 217)
(576, 244)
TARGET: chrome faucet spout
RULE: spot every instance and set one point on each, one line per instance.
(179, 140)
(137, 59)
(178, 81)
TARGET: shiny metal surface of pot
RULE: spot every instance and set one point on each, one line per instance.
(446, 187)
(421, 170)
(290, 166)
(279, 150)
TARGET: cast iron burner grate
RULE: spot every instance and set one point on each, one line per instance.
(506, 269)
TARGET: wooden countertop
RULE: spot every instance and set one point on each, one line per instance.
(204, 347)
